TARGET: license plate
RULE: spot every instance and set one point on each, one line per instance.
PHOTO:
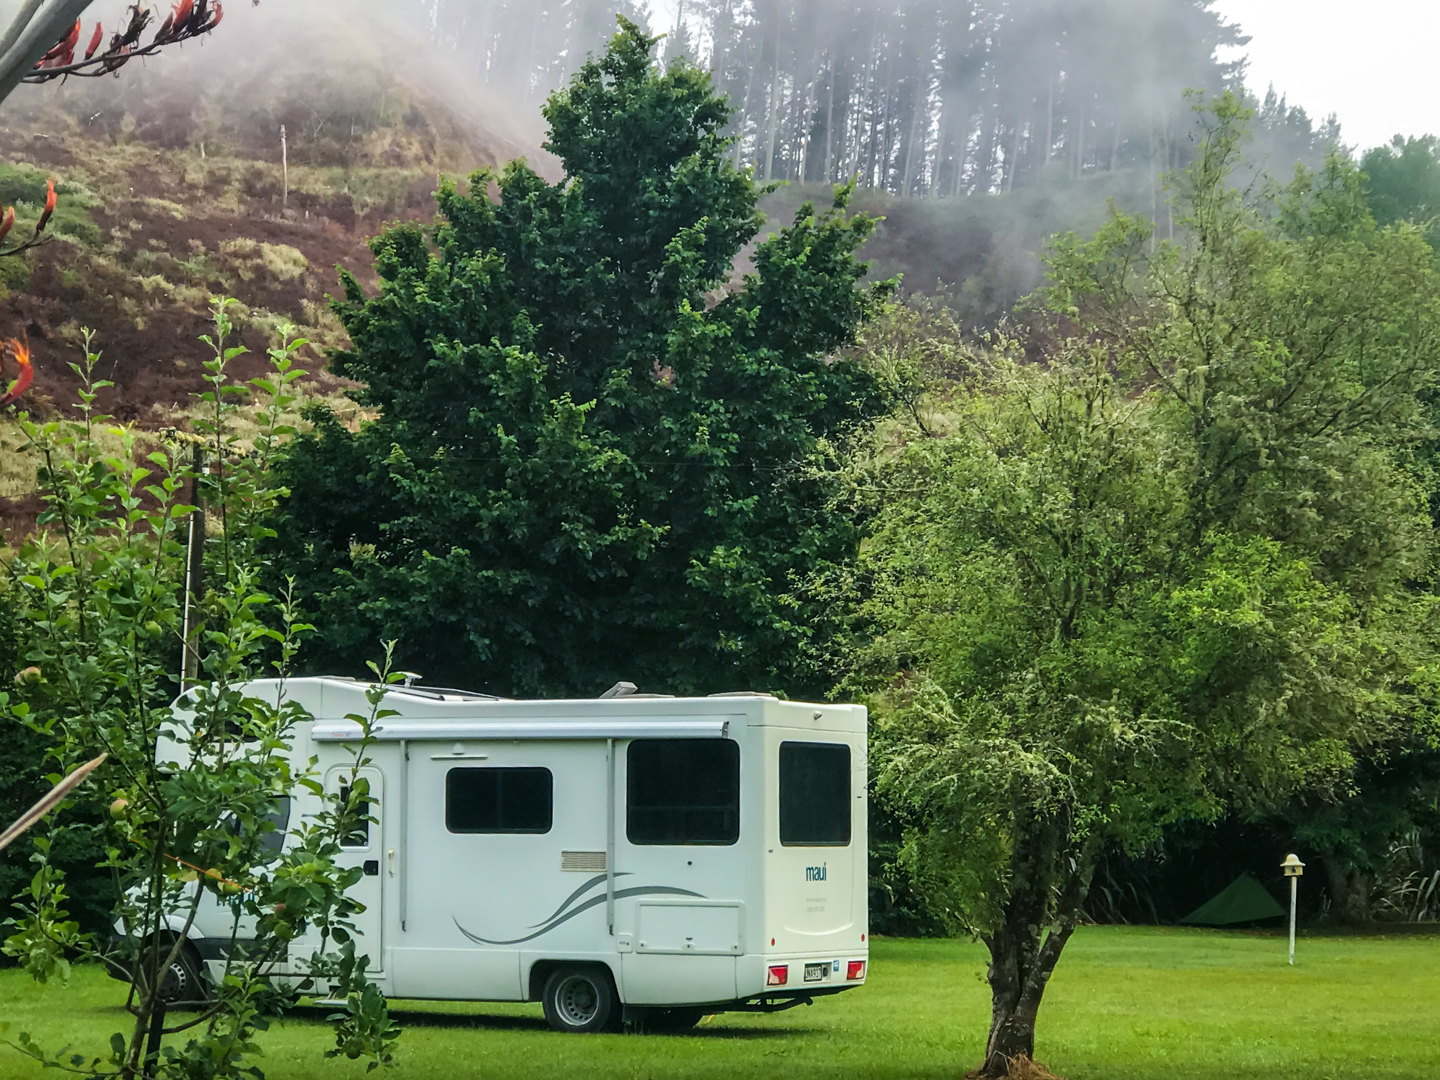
(815, 972)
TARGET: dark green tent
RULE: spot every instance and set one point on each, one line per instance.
(1243, 900)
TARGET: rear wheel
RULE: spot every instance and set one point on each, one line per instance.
(580, 999)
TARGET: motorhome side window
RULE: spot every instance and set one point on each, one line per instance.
(273, 841)
(682, 791)
(814, 794)
(499, 800)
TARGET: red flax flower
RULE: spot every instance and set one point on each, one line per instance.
(187, 20)
(19, 350)
(7, 222)
(95, 40)
(64, 51)
(49, 206)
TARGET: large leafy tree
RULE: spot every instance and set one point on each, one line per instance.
(1403, 181)
(588, 454)
(1166, 574)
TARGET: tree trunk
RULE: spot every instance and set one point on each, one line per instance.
(829, 176)
(867, 107)
(1021, 963)
(1013, 1009)
(743, 116)
(916, 112)
(1049, 880)
(1012, 162)
(1050, 118)
(1349, 890)
(774, 110)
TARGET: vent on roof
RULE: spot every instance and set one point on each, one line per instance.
(583, 862)
(620, 689)
(469, 695)
(445, 693)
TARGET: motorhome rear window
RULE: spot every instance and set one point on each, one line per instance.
(814, 794)
(359, 836)
(499, 800)
(682, 791)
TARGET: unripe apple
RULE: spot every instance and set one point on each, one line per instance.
(29, 677)
(117, 808)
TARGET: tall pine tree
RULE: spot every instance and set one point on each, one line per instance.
(586, 465)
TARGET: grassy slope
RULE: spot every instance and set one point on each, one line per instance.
(172, 189)
(171, 193)
(1126, 1004)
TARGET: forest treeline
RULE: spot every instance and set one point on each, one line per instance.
(936, 98)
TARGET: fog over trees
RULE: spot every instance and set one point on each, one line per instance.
(916, 97)
(523, 49)
(950, 96)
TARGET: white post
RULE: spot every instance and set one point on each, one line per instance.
(1294, 884)
(1293, 868)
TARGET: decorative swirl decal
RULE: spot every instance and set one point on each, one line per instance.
(565, 912)
(573, 897)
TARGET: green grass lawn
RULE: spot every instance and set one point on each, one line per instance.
(1125, 1003)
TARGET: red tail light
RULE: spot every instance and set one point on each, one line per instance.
(779, 975)
(855, 969)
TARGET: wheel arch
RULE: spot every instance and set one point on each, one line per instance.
(170, 923)
(541, 969)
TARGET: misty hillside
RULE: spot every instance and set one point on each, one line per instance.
(173, 190)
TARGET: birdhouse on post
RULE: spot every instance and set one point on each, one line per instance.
(1293, 868)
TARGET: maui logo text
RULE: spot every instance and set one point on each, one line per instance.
(815, 873)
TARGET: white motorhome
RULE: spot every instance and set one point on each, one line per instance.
(654, 857)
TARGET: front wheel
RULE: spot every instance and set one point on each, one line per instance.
(182, 984)
(580, 1000)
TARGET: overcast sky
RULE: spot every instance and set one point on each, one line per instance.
(1372, 62)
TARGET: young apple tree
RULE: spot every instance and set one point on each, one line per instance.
(193, 798)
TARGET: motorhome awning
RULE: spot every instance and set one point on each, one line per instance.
(462, 730)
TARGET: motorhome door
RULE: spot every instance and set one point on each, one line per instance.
(364, 848)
